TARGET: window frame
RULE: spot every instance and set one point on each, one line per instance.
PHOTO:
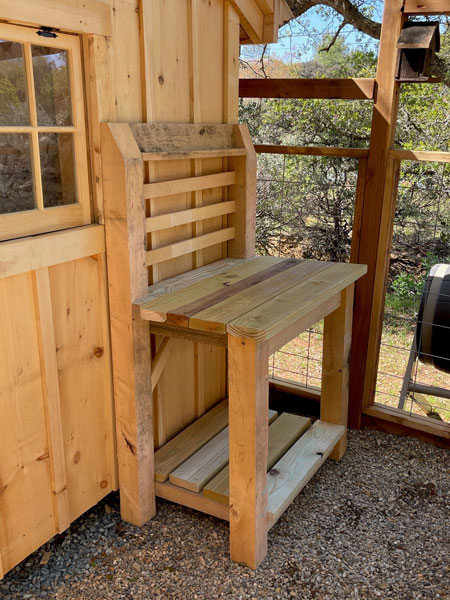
(41, 219)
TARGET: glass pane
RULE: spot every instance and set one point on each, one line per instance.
(57, 168)
(13, 85)
(16, 176)
(51, 84)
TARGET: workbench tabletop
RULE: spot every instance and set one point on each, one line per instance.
(254, 298)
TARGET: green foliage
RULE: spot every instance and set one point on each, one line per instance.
(305, 204)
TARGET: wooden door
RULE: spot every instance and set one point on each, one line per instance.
(57, 455)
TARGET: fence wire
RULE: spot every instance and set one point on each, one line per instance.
(305, 210)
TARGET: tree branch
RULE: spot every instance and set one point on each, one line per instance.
(334, 38)
(345, 8)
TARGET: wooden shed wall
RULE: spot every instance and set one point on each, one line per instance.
(166, 61)
(179, 65)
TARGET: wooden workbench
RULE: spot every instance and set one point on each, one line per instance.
(220, 463)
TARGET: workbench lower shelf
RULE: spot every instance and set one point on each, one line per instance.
(192, 468)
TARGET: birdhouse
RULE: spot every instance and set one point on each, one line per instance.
(417, 45)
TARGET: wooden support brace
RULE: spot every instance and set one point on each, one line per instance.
(337, 337)
(160, 360)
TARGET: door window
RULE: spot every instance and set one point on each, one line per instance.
(43, 161)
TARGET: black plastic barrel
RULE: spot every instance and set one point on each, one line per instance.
(433, 322)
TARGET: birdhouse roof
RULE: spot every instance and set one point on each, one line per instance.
(419, 35)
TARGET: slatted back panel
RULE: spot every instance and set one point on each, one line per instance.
(198, 182)
(199, 188)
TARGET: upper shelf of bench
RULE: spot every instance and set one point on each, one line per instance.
(184, 141)
(255, 298)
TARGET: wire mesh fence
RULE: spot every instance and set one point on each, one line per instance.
(305, 210)
(421, 239)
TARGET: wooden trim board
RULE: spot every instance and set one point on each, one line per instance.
(28, 254)
(88, 16)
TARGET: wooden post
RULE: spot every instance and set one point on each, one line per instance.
(123, 179)
(373, 241)
(248, 406)
(337, 337)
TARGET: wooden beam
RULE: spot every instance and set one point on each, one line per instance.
(123, 177)
(419, 155)
(266, 6)
(401, 417)
(79, 16)
(251, 18)
(24, 255)
(376, 206)
(194, 500)
(183, 333)
(427, 7)
(346, 89)
(312, 151)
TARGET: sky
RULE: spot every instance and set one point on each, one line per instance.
(297, 41)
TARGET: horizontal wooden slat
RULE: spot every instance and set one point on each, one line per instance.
(277, 314)
(183, 137)
(202, 466)
(183, 333)
(190, 245)
(184, 280)
(176, 494)
(250, 294)
(294, 388)
(312, 151)
(88, 16)
(28, 254)
(430, 7)
(156, 308)
(190, 184)
(293, 471)
(283, 432)
(419, 155)
(345, 89)
(193, 154)
(189, 216)
(185, 444)
(400, 417)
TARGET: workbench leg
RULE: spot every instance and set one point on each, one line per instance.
(337, 338)
(248, 406)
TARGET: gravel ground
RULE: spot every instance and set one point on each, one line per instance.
(375, 525)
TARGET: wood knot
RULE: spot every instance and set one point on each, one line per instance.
(103, 484)
(98, 352)
(160, 79)
(274, 472)
(76, 458)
